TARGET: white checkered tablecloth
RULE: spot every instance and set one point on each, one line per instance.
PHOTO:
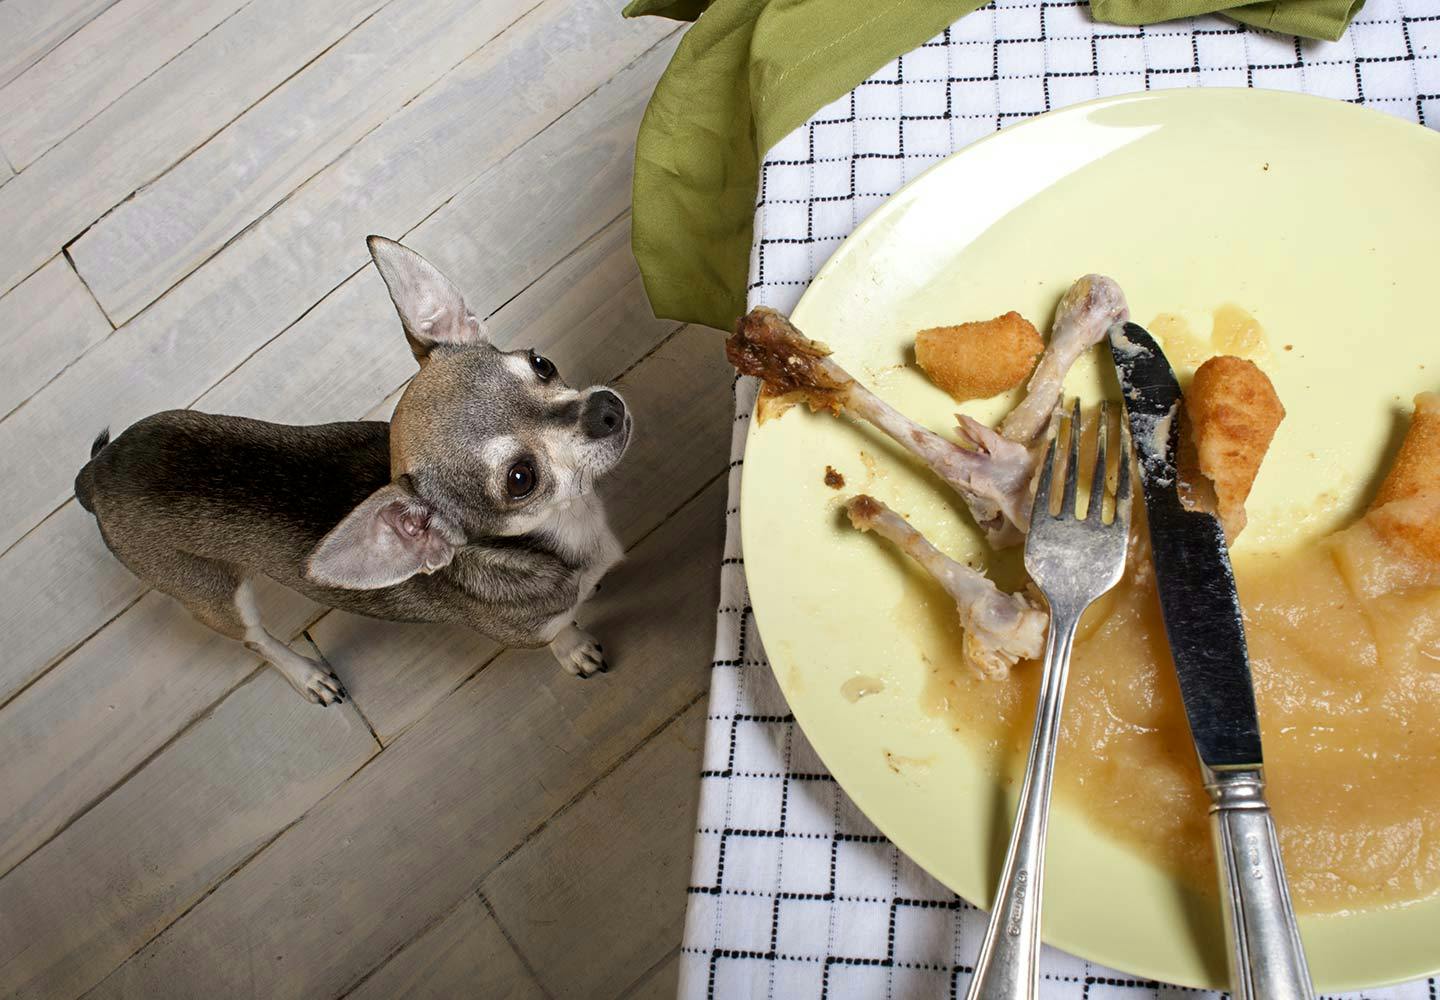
(794, 894)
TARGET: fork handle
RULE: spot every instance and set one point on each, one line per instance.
(1267, 961)
(1009, 964)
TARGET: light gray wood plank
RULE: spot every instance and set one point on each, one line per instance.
(31, 28)
(264, 280)
(553, 893)
(57, 586)
(84, 74)
(6, 171)
(371, 865)
(465, 955)
(153, 240)
(681, 396)
(46, 321)
(76, 732)
(568, 182)
(129, 866)
(661, 984)
(681, 399)
(160, 120)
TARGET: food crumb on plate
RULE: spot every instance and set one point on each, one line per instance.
(833, 479)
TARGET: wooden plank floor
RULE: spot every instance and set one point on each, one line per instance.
(184, 190)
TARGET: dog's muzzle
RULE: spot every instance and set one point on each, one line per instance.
(603, 416)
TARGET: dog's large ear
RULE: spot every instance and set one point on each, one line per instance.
(430, 306)
(388, 538)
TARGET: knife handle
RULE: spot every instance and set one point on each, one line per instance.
(1267, 961)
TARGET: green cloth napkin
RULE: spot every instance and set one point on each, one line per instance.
(1323, 19)
(749, 72)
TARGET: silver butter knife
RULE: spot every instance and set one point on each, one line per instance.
(1207, 642)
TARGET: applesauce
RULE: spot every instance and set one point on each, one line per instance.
(1344, 640)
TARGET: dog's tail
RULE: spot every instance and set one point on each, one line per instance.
(85, 481)
(101, 440)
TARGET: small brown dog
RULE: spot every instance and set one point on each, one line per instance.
(475, 504)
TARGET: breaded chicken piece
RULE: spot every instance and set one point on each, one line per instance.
(1407, 507)
(979, 360)
(1233, 412)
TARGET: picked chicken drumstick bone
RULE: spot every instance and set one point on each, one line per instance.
(1000, 628)
(991, 470)
(993, 475)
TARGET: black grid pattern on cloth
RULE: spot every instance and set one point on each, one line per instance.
(794, 894)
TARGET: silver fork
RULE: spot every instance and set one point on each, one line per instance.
(1073, 561)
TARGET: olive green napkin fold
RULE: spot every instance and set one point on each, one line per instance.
(749, 72)
(1321, 19)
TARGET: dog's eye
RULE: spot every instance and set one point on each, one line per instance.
(542, 365)
(520, 480)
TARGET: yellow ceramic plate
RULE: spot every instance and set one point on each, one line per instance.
(1321, 220)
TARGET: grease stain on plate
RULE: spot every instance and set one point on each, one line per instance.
(861, 686)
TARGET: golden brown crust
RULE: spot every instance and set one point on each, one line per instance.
(767, 346)
(1406, 510)
(1416, 469)
(1233, 412)
(1412, 523)
(978, 360)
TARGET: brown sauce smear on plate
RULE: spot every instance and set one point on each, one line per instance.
(1344, 638)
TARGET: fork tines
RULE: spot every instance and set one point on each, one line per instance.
(1071, 431)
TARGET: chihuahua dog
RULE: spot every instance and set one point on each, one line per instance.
(475, 504)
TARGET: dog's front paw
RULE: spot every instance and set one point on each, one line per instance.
(316, 681)
(578, 652)
(323, 687)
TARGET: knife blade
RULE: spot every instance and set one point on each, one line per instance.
(1206, 630)
(1192, 566)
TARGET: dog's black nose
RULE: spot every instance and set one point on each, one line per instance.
(604, 414)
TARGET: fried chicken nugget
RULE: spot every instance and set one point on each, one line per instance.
(979, 360)
(1406, 510)
(1233, 413)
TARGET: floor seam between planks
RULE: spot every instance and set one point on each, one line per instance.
(341, 154)
(646, 356)
(101, 110)
(290, 194)
(26, 68)
(475, 888)
(184, 153)
(400, 949)
(65, 250)
(682, 505)
(570, 802)
(593, 237)
(69, 364)
(514, 945)
(187, 152)
(243, 861)
(644, 977)
(191, 723)
(305, 633)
